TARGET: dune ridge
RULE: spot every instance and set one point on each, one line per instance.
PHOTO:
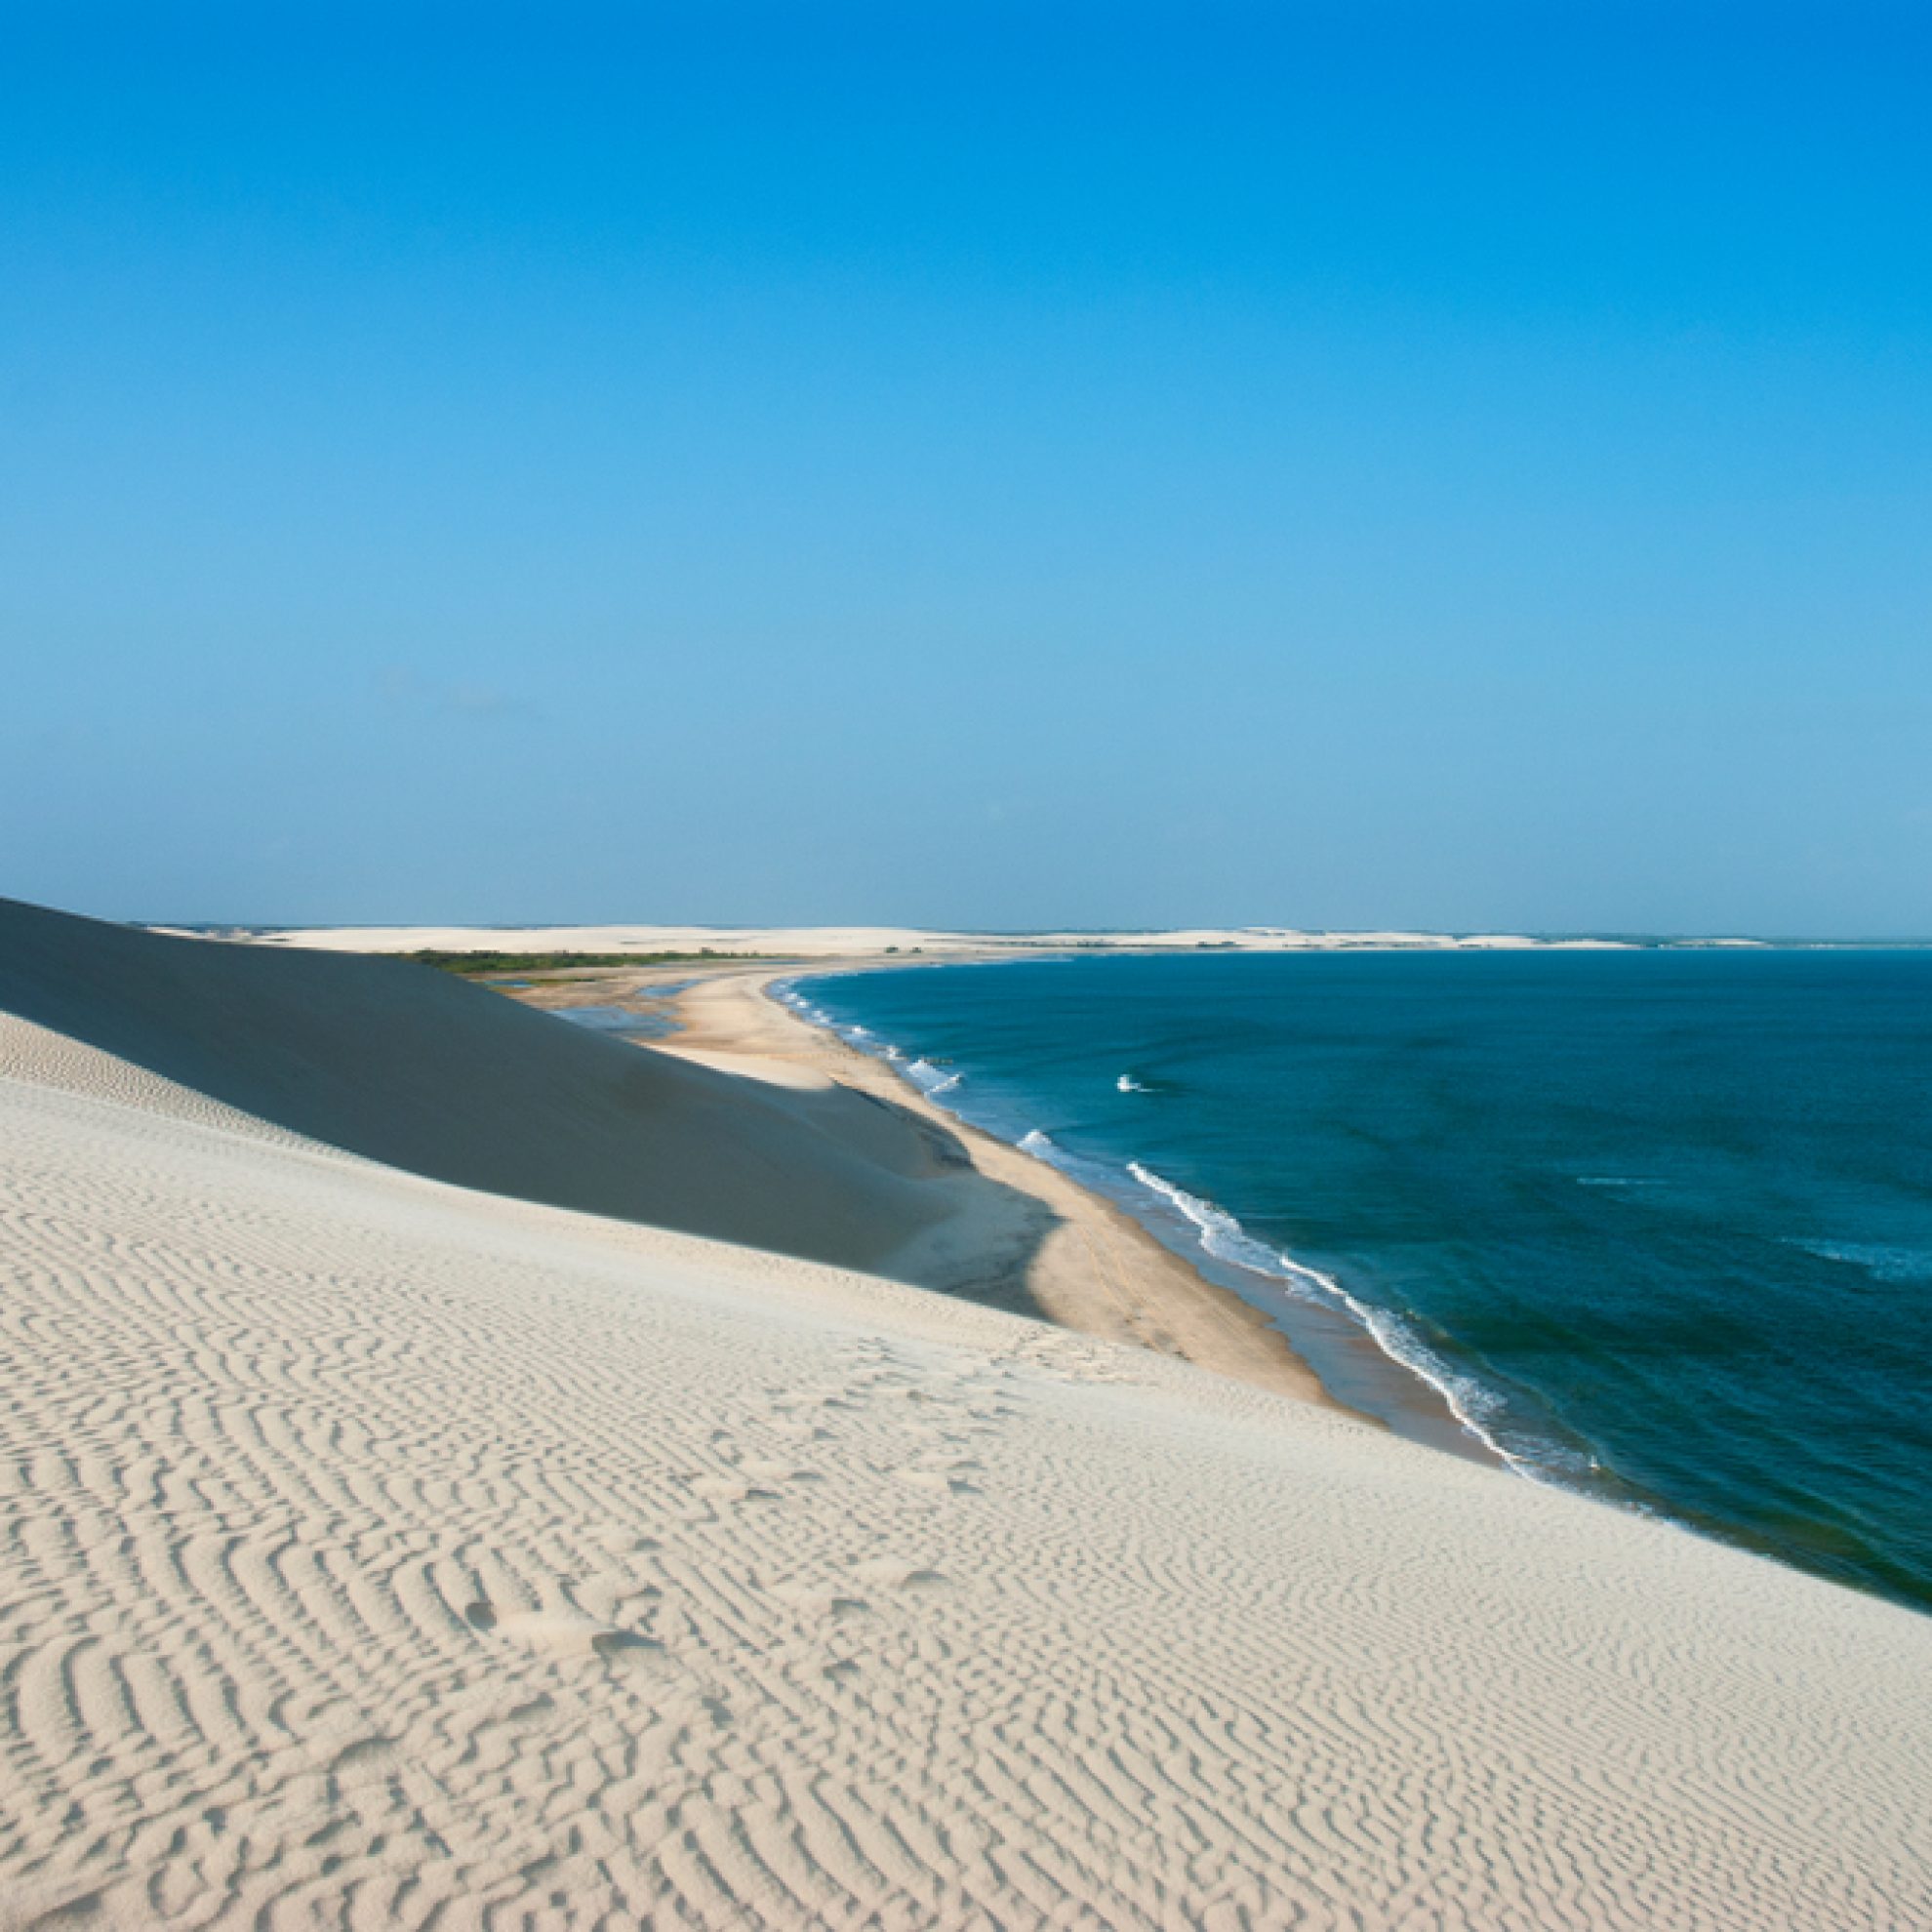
(385, 1551)
(416, 1069)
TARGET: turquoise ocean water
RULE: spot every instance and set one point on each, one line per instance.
(1657, 1224)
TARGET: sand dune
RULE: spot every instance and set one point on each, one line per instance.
(410, 1066)
(382, 1552)
(848, 942)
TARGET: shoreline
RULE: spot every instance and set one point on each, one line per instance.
(1095, 1271)
(1100, 1269)
(1355, 1367)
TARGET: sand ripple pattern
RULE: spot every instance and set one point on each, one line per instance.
(378, 1553)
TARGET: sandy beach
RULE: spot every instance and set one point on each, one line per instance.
(462, 1469)
(1022, 1236)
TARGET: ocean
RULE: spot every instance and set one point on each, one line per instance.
(1655, 1224)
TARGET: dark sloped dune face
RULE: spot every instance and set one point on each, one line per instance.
(403, 1064)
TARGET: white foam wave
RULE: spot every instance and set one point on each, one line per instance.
(1036, 1144)
(1221, 1235)
(787, 994)
(1885, 1264)
(931, 1081)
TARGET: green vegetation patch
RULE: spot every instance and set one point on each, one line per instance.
(474, 964)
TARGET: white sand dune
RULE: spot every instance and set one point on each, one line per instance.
(848, 942)
(413, 1067)
(381, 1551)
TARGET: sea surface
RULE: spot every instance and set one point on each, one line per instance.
(1657, 1224)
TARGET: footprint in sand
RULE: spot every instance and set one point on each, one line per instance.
(938, 1483)
(895, 1573)
(362, 1758)
(772, 1474)
(799, 1430)
(730, 1489)
(814, 1600)
(602, 1599)
(621, 1542)
(557, 1633)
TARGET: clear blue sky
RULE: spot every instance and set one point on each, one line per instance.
(1460, 465)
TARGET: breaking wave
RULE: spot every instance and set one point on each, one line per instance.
(1476, 1408)
(931, 1081)
(1886, 1264)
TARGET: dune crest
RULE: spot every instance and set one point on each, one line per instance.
(415, 1068)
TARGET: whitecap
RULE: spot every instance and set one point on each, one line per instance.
(1885, 1264)
(931, 1081)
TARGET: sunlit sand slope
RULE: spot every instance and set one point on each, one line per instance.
(381, 1552)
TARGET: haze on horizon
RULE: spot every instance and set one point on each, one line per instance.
(985, 468)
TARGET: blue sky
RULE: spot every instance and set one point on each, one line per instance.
(1462, 465)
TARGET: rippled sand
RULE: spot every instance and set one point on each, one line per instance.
(385, 1551)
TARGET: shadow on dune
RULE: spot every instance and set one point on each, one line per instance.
(410, 1066)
